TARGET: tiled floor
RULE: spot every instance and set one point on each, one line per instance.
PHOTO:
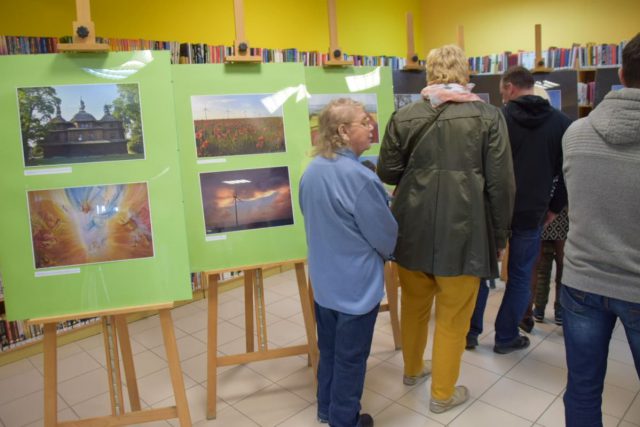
(521, 389)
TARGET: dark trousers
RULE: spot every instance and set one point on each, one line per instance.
(344, 341)
(477, 319)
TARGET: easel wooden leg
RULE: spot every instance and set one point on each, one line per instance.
(212, 344)
(113, 365)
(391, 285)
(50, 355)
(248, 310)
(127, 361)
(261, 321)
(308, 315)
(173, 358)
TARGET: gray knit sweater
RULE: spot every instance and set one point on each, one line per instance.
(602, 173)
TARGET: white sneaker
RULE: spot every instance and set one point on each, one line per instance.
(460, 395)
(426, 371)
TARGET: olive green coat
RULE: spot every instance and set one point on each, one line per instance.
(455, 186)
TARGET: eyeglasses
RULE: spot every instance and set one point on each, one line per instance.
(364, 122)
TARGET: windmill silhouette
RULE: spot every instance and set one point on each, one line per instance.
(236, 199)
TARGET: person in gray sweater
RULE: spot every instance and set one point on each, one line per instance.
(602, 255)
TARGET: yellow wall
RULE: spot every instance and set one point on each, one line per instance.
(368, 27)
(493, 26)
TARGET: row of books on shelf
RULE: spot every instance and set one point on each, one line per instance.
(17, 333)
(191, 53)
(586, 93)
(591, 55)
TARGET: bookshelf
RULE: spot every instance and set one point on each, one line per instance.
(195, 53)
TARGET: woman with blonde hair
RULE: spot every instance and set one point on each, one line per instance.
(449, 156)
(350, 233)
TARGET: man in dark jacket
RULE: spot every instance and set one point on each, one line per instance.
(535, 131)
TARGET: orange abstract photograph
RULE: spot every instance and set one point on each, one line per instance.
(85, 225)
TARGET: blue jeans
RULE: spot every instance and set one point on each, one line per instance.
(588, 323)
(524, 247)
(344, 341)
(477, 319)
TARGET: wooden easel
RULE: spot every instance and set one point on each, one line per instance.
(461, 44)
(84, 32)
(539, 67)
(254, 294)
(412, 57)
(115, 331)
(335, 54)
(240, 44)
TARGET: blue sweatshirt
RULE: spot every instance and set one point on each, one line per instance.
(350, 232)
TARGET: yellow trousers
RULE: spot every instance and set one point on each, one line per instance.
(455, 300)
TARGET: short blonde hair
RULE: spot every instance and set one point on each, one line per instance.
(447, 64)
(337, 112)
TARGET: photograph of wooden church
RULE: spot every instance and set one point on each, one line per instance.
(80, 123)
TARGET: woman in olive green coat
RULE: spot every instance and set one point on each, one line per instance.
(450, 158)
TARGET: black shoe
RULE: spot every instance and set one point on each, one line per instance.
(472, 342)
(365, 420)
(538, 314)
(558, 318)
(526, 324)
(519, 343)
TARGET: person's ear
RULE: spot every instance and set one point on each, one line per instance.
(621, 77)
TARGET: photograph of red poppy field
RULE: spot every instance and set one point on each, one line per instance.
(231, 125)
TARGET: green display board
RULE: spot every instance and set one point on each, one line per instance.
(92, 216)
(364, 84)
(243, 133)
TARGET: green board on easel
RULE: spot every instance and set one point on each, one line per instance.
(243, 138)
(92, 218)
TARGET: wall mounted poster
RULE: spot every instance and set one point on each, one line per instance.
(243, 132)
(89, 229)
(361, 84)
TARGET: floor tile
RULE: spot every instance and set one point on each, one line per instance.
(271, 405)
(618, 375)
(148, 362)
(26, 409)
(16, 368)
(197, 401)
(277, 369)
(63, 415)
(301, 383)
(285, 307)
(305, 418)
(151, 338)
(539, 375)
(517, 398)
(386, 379)
(633, 414)
(188, 347)
(228, 417)
(240, 382)
(84, 386)
(481, 414)
(616, 400)
(192, 323)
(391, 416)
(16, 386)
(157, 386)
